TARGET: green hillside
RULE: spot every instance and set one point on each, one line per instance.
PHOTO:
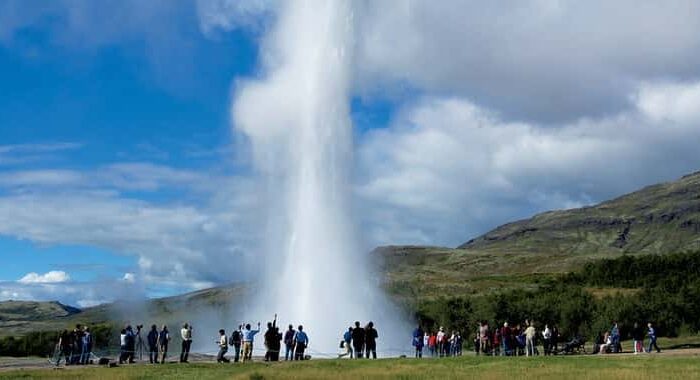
(658, 219)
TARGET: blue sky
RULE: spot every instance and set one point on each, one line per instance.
(119, 163)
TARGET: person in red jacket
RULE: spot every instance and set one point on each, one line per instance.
(432, 343)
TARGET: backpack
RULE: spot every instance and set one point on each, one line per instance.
(235, 338)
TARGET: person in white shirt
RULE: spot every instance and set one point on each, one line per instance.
(547, 339)
(223, 347)
(441, 341)
(186, 335)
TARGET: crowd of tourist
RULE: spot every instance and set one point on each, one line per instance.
(525, 340)
(74, 347)
(521, 339)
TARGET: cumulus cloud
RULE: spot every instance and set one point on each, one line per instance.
(544, 61)
(74, 293)
(51, 277)
(448, 169)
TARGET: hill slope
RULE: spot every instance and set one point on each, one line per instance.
(658, 219)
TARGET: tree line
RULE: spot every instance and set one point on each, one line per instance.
(664, 289)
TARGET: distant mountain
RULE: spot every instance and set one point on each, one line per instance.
(658, 219)
(31, 310)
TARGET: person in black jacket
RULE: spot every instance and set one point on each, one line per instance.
(638, 338)
(153, 344)
(371, 340)
(358, 340)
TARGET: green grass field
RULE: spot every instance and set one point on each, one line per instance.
(467, 367)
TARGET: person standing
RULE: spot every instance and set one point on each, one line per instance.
(122, 346)
(371, 336)
(77, 347)
(418, 341)
(289, 343)
(530, 334)
(506, 339)
(432, 344)
(358, 340)
(152, 339)
(269, 338)
(615, 337)
(484, 337)
(163, 339)
(223, 347)
(440, 341)
(496, 342)
(130, 344)
(235, 341)
(547, 340)
(637, 338)
(186, 335)
(248, 338)
(301, 341)
(86, 346)
(64, 347)
(651, 332)
(276, 345)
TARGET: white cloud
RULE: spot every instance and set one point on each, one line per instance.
(23, 153)
(671, 103)
(74, 293)
(231, 14)
(447, 169)
(51, 277)
(536, 60)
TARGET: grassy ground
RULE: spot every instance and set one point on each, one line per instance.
(579, 367)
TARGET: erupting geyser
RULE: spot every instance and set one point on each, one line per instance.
(297, 118)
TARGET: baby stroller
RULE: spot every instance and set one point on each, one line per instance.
(575, 346)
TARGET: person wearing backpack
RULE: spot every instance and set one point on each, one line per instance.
(289, 343)
(235, 341)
